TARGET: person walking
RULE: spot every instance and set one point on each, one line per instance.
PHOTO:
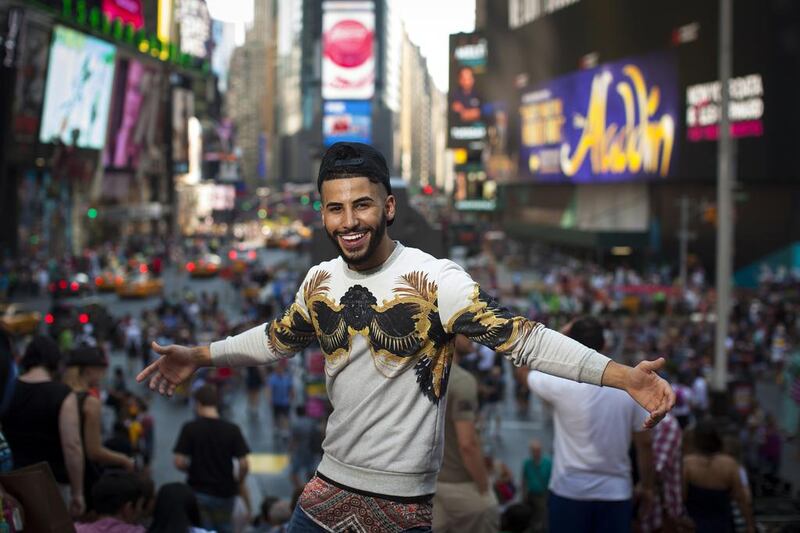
(464, 501)
(710, 480)
(42, 421)
(385, 316)
(206, 450)
(281, 394)
(591, 486)
(536, 471)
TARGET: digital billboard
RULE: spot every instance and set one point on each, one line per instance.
(348, 50)
(182, 111)
(468, 58)
(135, 122)
(347, 121)
(128, 11)
(745, 108)
(78, 90)
(615, 122)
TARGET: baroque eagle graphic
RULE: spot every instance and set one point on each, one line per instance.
(402, 332)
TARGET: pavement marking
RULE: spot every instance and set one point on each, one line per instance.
(268, 463)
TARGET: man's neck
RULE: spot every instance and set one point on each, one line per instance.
(207, 412)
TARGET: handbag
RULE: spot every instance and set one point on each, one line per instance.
(36, 490)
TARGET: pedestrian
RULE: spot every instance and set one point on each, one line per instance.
(42, 421)
(119, 500)
(491, 393)
(591, 486)
(254, 382)
(304, 447)
(206, 449)
(385, 316)
(536, 471)
(176, 510)
(464, 501)
(86, 368)
(684, 401)
(667, 512)
(281, 394)
(711, 480)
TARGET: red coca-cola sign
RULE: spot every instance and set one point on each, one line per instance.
(348, 43)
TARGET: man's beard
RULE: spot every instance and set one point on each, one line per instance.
(375, 238)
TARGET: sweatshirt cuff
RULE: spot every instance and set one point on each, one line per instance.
(219, 353)
(592, 368)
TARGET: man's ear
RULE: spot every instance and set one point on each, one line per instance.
(390, 208)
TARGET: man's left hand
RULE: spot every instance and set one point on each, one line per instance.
(650, 390)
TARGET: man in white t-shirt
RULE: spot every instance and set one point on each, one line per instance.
(591, 486)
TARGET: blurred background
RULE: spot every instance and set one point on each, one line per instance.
(158, 164)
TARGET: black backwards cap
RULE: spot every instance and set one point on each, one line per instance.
(351, 160)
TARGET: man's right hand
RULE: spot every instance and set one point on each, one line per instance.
(176, 365)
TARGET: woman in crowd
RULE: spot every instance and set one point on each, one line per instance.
(176, 510)
(711, 479)
(41, 422)
(86, 368)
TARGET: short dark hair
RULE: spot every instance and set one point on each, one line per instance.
(114, 490)
(206, 396)
(41, 351)
(354, 160)
(706, 438)
(588, 331)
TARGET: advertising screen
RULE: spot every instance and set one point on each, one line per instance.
(182, 111)
(78, 90)
(348, 50)
(466, 120)
(745, 109)
(128, 11)
(615, 122)
(347, 121)
(134, 125)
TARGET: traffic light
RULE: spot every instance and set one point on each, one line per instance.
(91, 213)
(427, 190)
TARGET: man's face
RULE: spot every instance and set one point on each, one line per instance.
(466, 79)
(354, 212)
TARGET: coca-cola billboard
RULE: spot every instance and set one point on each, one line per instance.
(348, 50)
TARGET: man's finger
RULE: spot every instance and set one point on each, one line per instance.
(155, 381)
(144, 374)
(653, 366)
(170, 390)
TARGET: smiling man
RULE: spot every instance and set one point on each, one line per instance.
(386, 317)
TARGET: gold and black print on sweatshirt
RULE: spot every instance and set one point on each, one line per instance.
(401, 332)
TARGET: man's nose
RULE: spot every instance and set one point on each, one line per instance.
(350, 220)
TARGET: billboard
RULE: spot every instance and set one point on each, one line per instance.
(468, 58)
(182, 111)
(615, 122)
(134, 125)
(745, 108)
(128, 11)
(347, 121)
(195, 28)
(348, 50)
(78, 90)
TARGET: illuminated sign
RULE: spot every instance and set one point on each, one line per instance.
(85, 14)
(466, 121)
(521, 12)
(78, 91)
(348, 50)
(611, 123)
(195, 24)
(347, 121)
(745, 109)
(128, 11)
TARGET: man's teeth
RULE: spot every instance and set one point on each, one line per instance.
(353, 237)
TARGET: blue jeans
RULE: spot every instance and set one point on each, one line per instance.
(590, 516)
(216, 513)
(301, 523)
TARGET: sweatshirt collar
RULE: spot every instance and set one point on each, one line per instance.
(363, 274)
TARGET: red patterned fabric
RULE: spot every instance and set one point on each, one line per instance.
(667, 445)
(338, 510)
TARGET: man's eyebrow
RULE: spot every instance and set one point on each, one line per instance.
(363, 199)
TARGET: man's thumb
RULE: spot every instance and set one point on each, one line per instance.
(654, 366)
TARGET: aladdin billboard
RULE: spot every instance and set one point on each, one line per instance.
(615, 122)
(348, 50)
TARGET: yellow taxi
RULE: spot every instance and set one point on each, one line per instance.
(109, 281)
(19, 321)
(140, 286)
(205, 267)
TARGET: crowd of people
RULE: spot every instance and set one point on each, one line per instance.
(695, 470)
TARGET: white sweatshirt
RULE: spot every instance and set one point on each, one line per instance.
(387, 336)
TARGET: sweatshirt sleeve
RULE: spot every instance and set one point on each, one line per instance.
(465, 309)
(279, 339)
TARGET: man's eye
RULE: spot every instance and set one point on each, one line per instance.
(362, 205)
(335, 209)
